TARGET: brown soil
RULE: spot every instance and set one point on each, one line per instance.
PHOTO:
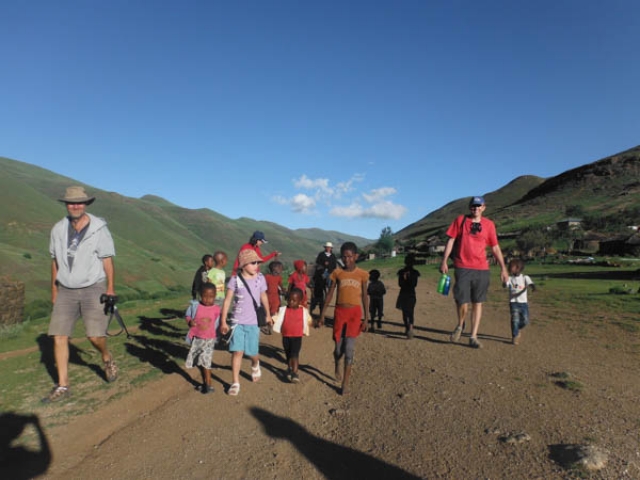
(420, 408)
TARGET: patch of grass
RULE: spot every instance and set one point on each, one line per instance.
(155, 349)
(571, 385)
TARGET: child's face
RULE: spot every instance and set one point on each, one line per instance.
(514, 268)
(209, 263)
(349, 259)
(251, 269)
(208, 297)
(294, 300)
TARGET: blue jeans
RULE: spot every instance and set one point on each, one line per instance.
(519, 317)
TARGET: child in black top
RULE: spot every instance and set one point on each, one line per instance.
(319, 288)
(376, 292)
(407, 281)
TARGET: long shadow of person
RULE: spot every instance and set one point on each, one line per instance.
(158, 353)
(45, 344)
(16, 461)
(157, 326)
(333, 461)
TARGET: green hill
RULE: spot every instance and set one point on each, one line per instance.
(159, 245)
(604, 187)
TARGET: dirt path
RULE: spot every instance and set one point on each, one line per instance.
(421, 408)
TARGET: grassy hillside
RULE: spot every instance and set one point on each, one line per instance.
(159, 245)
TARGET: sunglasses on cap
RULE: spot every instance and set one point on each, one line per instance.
(476, 227)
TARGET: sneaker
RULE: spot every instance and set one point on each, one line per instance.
(517, 338)
(56, 394)
(295, 378)
(474, 343)
(455, 335)
(110, 371)
(410, 333)
(206, 389)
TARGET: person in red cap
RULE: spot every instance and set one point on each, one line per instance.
(469, 236)
(257, 239)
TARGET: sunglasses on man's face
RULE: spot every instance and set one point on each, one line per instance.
(476, 227)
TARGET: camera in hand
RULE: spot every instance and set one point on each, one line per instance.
(109, 302)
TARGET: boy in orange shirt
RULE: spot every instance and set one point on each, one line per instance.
(351, 311)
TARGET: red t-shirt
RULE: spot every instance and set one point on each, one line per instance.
(292, 325)
(274, 284)
(300, 281)
(472, 247)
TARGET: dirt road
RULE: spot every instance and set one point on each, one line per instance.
(420, 408)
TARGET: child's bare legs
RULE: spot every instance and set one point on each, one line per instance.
(345, 380)
(236, 363)
(337, 355)
(349, 345)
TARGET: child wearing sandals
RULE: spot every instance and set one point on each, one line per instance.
(352, 304)
(246, 286)
(202, 334)
(293, 321)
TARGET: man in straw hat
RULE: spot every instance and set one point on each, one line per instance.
(81, 272)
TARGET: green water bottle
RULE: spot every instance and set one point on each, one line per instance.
(442, 282)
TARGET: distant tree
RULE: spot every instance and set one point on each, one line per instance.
(534, 239)
(386, 242)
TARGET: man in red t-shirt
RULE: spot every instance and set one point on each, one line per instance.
(472, 234)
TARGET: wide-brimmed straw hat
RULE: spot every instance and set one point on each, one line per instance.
(245, 257)
(76, 194)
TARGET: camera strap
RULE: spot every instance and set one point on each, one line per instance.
(123, 327)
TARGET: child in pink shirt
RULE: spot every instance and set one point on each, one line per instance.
(202, 333)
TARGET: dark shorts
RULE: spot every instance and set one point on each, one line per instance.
(73, 303)
(471, 286)
(292, 346)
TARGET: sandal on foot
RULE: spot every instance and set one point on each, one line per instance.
(256, 373)
(110, 370)
(234, 389)
(57, 393)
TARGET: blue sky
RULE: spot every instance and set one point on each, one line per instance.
(343, 115)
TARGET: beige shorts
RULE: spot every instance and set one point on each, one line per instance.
(73, 303)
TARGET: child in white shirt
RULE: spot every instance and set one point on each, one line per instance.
(518, 304)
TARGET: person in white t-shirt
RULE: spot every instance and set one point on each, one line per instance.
(518, 284)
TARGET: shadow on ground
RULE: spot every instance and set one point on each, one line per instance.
(333, 461)
(17, 461)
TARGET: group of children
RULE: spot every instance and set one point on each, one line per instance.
(231, 310)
